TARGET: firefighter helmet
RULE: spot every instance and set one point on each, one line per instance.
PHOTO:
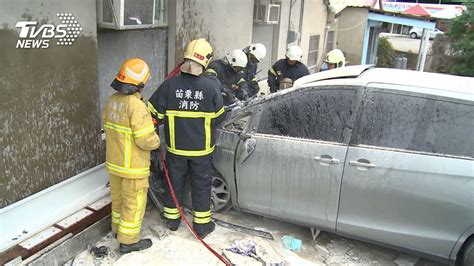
(199, 51)
(258, 50)
(132, 76)
(336, 57)
(237, 58)
(294, 53)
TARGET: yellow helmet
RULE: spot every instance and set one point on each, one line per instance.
(132, 76)
(199, 51)
(337, 57)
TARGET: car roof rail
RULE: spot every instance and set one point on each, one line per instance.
(341, 72)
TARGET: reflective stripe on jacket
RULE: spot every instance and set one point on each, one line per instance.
(189, 106)
(130, 136)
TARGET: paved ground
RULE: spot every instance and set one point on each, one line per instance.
(179, 248)
(404, 43)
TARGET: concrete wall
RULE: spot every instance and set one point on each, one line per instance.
(314, 23)
(49, 106)
(281, 36)
(114, 47)
(352, 24)
(226, 24)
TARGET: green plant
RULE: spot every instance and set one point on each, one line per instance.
(461, 34)
(385, 53)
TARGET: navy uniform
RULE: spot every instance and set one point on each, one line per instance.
(233, 85)
(189, 106)
(249, 76)
(281, 69)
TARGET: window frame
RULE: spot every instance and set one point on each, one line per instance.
(316, 52)
(330, 41)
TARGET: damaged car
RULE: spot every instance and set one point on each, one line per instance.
(379, 155)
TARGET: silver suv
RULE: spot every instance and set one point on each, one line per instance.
(382, 155)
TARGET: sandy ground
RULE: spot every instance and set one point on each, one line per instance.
(180, 248)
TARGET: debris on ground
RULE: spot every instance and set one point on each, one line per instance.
(160, 234)
(245, 247)
(98, 252)
(180, 248)
(243, 229)
(292, 243)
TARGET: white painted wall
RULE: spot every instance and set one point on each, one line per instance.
(314, 22)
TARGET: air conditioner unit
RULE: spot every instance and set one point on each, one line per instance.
(125, 14)
(266, 13)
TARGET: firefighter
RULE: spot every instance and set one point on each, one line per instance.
(289, 67)
(229, 71)
(130, 136)
(255, 54)
(334, 59)
(190, 104)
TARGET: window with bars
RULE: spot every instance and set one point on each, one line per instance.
(160, 13)
(329, 42)
(313, 50)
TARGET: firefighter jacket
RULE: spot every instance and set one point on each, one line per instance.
(251, 79)
(232, 82)
(281, 69)
(130, 136)
(249, 76)
(190, 106)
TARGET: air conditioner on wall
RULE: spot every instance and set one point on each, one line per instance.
(266, 13)
(125, 14)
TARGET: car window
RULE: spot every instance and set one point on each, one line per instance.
(320, 114)
(416, 122)
(238, 123)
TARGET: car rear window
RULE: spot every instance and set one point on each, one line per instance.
(417, 123)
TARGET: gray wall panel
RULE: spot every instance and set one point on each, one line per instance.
(117, 46)
(49, 108)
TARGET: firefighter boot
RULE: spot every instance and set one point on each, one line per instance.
(204, 229)
(140, 245)
(173, 225)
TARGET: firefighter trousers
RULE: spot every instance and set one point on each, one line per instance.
(129, 198)
(199, 169)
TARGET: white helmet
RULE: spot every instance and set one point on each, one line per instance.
(258, 50)
(237, 58)
(294, 53)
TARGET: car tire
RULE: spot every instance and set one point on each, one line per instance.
(413, 35)
(467, 255)
(220, 194)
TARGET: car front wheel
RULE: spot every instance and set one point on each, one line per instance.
(413, 35)
(467, 255)
(220, 194)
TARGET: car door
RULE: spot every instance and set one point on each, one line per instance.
(297, 150)
(227, 139)
(409, 172)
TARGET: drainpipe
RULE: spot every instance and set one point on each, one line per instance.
(300, 29)
(425, 50)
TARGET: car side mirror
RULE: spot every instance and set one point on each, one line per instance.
(244, 136)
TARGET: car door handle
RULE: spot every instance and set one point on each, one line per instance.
(362, 164)
(327, 160)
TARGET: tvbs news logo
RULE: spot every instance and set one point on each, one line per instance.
(33, 35)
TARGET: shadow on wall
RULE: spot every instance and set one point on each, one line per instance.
(49, 115)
